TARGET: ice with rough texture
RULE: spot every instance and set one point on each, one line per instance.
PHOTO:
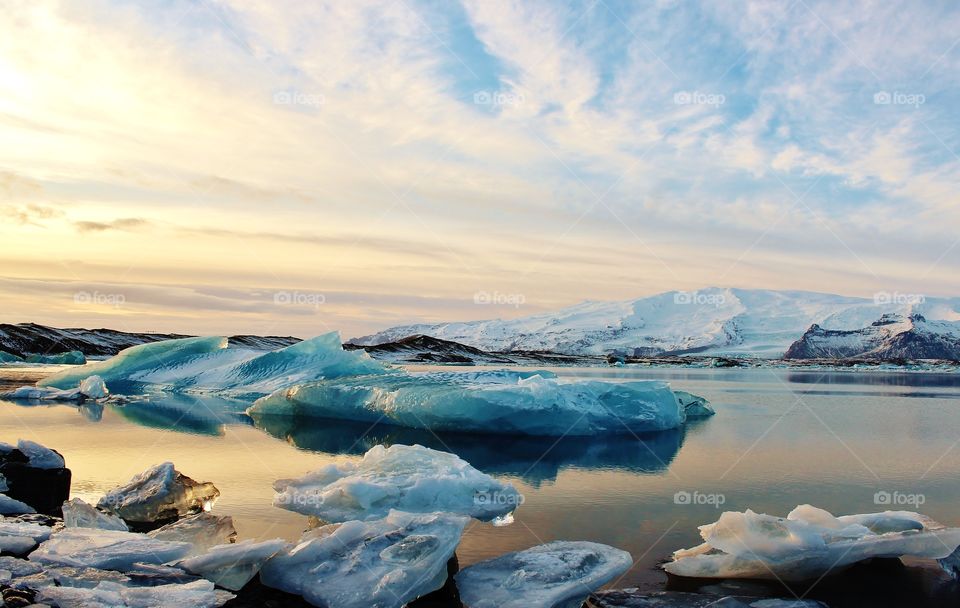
(203, 531)
(91, 387)
(808, 543)
(11, 506)
(19, 537)
(498, 401)
(694, 406)
(385, 563)
(78, 514)
(232, 566)
(560, 574)
(208, 364)
(73, 357)
(196, 594)
(403, 477)
(40, 457)
(159, 493)
(107, 549)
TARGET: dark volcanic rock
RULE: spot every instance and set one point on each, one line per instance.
(25, 339)
(424, 349)
(43, 489)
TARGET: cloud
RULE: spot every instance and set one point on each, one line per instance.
(125, 223)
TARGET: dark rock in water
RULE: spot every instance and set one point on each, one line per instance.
(724, 362)
(632, 598)
(43, 489)
(17, 598)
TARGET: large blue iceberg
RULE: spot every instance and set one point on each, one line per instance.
(317, 378)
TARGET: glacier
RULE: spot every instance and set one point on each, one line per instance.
(808, 543)
(384, 563)
(501, 401)
(407, 478)
(559, 574)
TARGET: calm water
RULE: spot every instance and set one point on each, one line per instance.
(780, 438)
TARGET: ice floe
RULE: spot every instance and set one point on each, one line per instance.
(560, 574)
(808, 543)
(107, 549)
(18, 537)
(501, 401)
(91, 387)
(159, 493)
(403, 477)
(78, 514)
(203, 531)
(196, 594)
(385, 563)
(232, 566)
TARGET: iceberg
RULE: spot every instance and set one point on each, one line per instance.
(501, 401)
(196, 594)
(385, 563)
(694, 406)
(158, 494)
(73, 357)
(6, 357)
(91, 387)
(78, 514)
(560, 574)
(808, 543)
(234, 565)
(106, 549)
(203, 530)
(407, 478)
(210, 364)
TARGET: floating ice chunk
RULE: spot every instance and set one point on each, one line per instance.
(385, 563)
(93, 387)
(408, 478)
(197, 594)
(158, 494)
(203, 531)
(11, 506)
(207, 363)
(78, 514)
(18, 537)
(39, 456)
(106, 549)
(560, 574)
(694, 406)
(73, 357)
(532, 403)
(808, 543)
(232, 566)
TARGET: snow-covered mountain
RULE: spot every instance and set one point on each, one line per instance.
(893, 336)
(739, 322)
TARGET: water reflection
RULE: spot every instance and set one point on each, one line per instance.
(184, 413)
(533, 459)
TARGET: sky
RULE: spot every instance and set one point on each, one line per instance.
(261, 166)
